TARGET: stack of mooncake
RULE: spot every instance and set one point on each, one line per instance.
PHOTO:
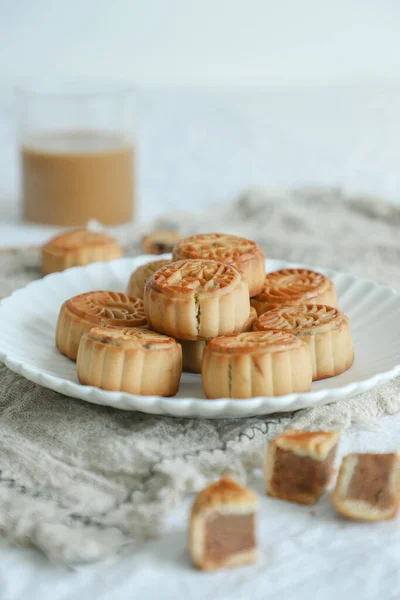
(211, 309)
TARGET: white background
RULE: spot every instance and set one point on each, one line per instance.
(202, 41)
(328, 113)
(231, 93)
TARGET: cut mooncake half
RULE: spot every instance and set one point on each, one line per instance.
(222, 526)
(368, 486)
(299, 465)
(140, 275)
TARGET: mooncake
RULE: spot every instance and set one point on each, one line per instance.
(325, 329)
(368, 486)
(192, 351)
(245, 255)
(294, 286)
(80, 314)
(140, 275)
(159, 242)
(196, 300)
(76, 248)
(133, 360)
(222, 529)
(258, 363)
(299, 465)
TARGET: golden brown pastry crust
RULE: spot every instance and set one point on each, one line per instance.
(316, 444)
(245, 255)
(192, 351)
(132, 360)
(196, 299)
(80, 314)
(76, 248)
(325, 329)
(260, 363)
(294, 286)
(160, 242)
(140, 275)
(224, 498)
(316, 448)
(224, 491)
(355, 506)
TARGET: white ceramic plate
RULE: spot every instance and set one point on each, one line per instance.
(28, 318)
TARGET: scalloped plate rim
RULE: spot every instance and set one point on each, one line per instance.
(203, 408)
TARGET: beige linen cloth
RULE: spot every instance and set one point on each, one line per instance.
(81, 482)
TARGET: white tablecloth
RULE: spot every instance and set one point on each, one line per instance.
(197, 148)
(302, 556)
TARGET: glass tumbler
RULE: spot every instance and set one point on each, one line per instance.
(77, 151)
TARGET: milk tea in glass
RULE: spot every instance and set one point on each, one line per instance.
(77, 153)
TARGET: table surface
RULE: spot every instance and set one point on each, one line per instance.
(302, 555)
(196, 148)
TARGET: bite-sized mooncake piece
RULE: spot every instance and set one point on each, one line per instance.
(80, 314)
(325, 329)
(76, 248)
(196, 299)
(160, 242)
(294, 286)
(192, 351)
(300, 464)
(258, 363)
(245, 255)
(368, 487)
(140, 275)
(222, 526)
(132, 360)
